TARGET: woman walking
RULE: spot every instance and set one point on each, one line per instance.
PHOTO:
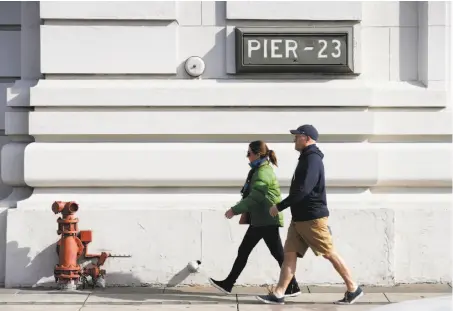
(260, 191)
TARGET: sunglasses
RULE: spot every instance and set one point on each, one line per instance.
(248, 154)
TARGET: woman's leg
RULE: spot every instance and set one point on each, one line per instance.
(250, 240)
(273, 241)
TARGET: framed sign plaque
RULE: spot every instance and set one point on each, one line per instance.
(294, 50)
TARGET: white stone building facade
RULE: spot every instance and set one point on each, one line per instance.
(96, 107)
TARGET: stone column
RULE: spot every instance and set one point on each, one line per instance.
(18, 97)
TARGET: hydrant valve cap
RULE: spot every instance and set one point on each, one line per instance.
(72, 207)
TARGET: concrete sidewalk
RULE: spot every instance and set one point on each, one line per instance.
(313, 298)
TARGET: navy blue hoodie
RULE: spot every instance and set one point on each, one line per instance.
(307, 194)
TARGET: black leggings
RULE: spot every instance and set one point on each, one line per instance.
(271, 236)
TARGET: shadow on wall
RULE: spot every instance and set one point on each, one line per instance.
(38, 271)
(214, 59)
(408, 42)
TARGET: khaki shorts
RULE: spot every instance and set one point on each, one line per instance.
(314, 234)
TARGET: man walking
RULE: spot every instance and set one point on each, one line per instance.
(308, 228)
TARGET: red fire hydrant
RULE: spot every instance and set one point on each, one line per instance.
(71, 247)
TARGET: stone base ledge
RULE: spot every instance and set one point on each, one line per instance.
(383, 244)
(233, 93)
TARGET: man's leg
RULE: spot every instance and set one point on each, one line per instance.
(287, 273)
(274, 243)
(353, 292)
(339, 265)
(295, 247)
(317, 234)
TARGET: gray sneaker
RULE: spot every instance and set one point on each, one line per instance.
(349, 298)
(271, 299)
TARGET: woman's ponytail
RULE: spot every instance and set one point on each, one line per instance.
(260, 148)
(273, 157)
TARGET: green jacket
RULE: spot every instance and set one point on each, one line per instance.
(264, 192)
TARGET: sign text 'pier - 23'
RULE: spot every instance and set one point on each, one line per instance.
(294, 50)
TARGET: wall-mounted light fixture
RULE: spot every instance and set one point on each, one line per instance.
(194, 66)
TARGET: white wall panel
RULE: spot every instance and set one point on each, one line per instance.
(213, 239)
(439, 12)
(390, 13)
(412, 123)
(141, 10)
(415, 164)
(215, 198)
(439, 50)
(9, 53)
(135, 164)
(375, 59)
(233, 93)
(294, 10)
(418, 227)
(402, 94)
(237, 122)
(197, 122)
(108, 49)
(189, 13)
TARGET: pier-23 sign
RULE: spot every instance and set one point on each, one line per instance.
(294, 50)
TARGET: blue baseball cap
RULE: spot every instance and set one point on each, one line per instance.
(307, 130)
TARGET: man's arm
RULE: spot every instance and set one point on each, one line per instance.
(306, 183)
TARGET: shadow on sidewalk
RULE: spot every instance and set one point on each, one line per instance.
(136, 294)
(169, 293)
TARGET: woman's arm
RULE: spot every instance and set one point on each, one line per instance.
(259, 189)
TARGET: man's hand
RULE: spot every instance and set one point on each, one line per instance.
(229, 214)
(273, 210)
